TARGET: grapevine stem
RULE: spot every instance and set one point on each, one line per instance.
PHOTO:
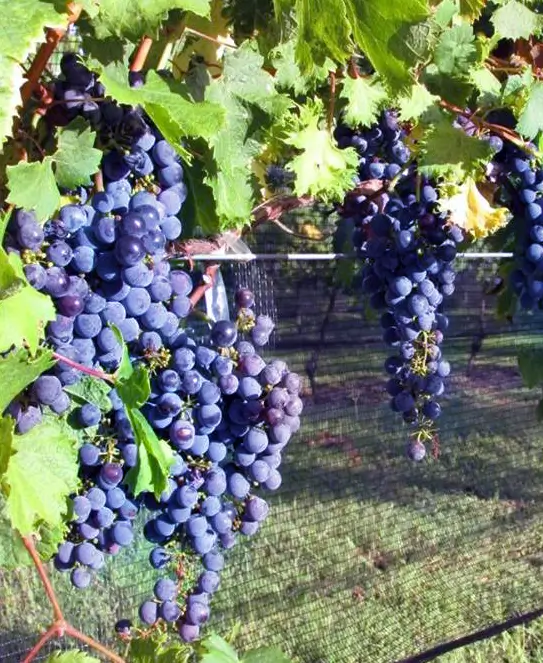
(98, 181)
(60, 627)
(200, 290)
(51, 632)
(504, 132)
(141, 54)
(93, 372)
(78, 635)
(48, 587)
(45, 51)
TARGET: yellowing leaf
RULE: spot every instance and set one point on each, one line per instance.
(321, 168)
(310, 231)
(470, 210)
(364, 100)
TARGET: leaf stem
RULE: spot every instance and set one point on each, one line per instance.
(332, 102)
(44, 639)
(140, 56)
(93, 372)
(91, 642)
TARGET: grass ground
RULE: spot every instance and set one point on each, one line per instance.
(367, 557)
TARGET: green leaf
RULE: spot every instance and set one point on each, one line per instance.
(158, 649)
(530, 121)
(445, 12)
(5, 216)
(13, 554)
(32, 186)
(217, 650)
(10, 281)
(135, 391)
(321, 168)
(91, 390)
(155, 457)
(413, 105)
(515, 21)
(125, 369)
(266, 655)
(71, 656)
(456, 51)
(132, 19)
(167, 102)
(199, 210)
(27, 310)
(530, 363)
(41, 474)
(288, 75)
(472, 9)
(76, 158)
(449, 152)
(7, 426)
(23, 24)
(390, 34)
(487, 84)
(18, 369)
(364, 98)
(243, 90)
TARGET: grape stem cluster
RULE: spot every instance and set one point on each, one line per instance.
(60, 627)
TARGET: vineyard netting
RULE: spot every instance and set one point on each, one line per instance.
(368, 556)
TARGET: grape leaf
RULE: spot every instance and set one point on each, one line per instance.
(449, 152)
(132, 19)
(445, 11)
(390, 34)
(7, 425)
(199, 209)
(265, 655)
(470, 210)
(32, 186)
(10, 282)
(321, 168)
(456, 51)
(91, 390)
(168, 103)
(530, 121)
(472, 9)
(23, 25)
(125, 369)
(27, 311)
(530, 363)
(18, 369)
(71, 656)
(157, 649)
(76, 158)
(288, 75)
(364, 99)
(135, 391)
(413, 105)
(13, 554)
(155, 457)
(488, 85)
(41, 474)
(5, 216)
(217, 650)
(235, 145)
(515, 21)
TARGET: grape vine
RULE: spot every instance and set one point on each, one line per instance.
(171, 132)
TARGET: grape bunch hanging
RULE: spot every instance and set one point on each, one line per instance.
(223, 411)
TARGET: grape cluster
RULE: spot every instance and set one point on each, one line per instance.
(522, 185)
(225, 412)
(408, 247)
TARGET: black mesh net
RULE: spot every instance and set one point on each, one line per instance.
(365, 556)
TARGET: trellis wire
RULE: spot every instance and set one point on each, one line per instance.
(252, 257)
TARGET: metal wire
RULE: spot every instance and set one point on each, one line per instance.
(252, 257)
